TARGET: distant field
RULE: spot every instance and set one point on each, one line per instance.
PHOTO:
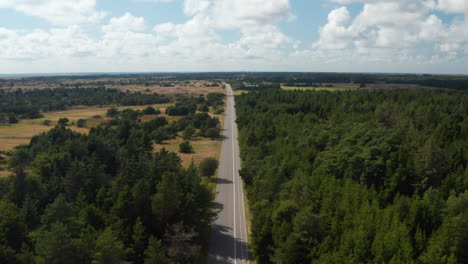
(291, 88)
(17, 134)
(21, 133)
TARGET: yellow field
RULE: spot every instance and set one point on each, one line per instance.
(17, 134)
(203, 147)
(290, 88)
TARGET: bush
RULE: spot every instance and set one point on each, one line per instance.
(212, 133)
(46, 122)
(63, 121)
(185, 147)
(189, 131)
(112, 112)
(204, 108)
(208, 167)
(81, 123)
(151, 111)
(12, 119)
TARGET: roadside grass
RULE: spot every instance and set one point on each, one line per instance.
(216, 153)
(239, 92)
(332, 89)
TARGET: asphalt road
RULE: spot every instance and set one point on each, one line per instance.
(228, 242)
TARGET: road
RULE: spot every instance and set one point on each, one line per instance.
(228, 242)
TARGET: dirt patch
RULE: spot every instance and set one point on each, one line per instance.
(4, 173)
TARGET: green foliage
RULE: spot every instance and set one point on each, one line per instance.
(189, 131)
(108, 249)
(208, 167)
(99, 197)
(185, 147)
(151, 111)
(112, 112)
(213, 132)
(47, 122)
(155, 253)
(356, 176)
(215, 99)
(81, 123)
(63, 121)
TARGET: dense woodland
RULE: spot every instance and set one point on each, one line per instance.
(106, 197)
(357, 176)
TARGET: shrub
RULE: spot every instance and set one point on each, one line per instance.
(185, 147)
(112, 112)
(81, 123)
(151, 111)
(212, 133)
(208, 167)
(46, 122)
(63, 121)
(189, 131)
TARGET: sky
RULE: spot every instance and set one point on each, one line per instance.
(395, 36)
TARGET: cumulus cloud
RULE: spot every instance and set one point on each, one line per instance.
(384, 33)
(70, 41)
(58, 12)
(254, 19)
(394, 24)
(453, 6)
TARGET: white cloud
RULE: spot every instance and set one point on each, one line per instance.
(127, 22)
(198, 38)
(58, 12)
(454, 6)
(384, 35)
(392, 24)
(70, 41)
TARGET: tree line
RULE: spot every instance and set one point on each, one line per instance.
(356, 176)
(30, 104)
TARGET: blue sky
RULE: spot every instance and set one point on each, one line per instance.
(415, 36)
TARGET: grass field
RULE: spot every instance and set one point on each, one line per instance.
(203, 147)
(333, 89)
(17, 134)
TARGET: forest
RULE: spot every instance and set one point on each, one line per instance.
(356, 176)
(107, 197)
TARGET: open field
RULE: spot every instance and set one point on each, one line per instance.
(17, 134)
(160, 86)
(203, 147)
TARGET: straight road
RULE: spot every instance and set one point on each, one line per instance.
(228, 242)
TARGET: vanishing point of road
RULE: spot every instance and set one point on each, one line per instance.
(228, 242)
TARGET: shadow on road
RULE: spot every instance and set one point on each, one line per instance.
(225, 250)
(222, 181)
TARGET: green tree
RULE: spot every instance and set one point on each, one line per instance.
(55, 246)
(155, 253)
(112, 112)
(63, 121)
(165, 202)
(212, 133)
(189, 131)
(185, 147)
(139, 241)
(208, 167)
(81, 122)
(108, 249)
(150, 111)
